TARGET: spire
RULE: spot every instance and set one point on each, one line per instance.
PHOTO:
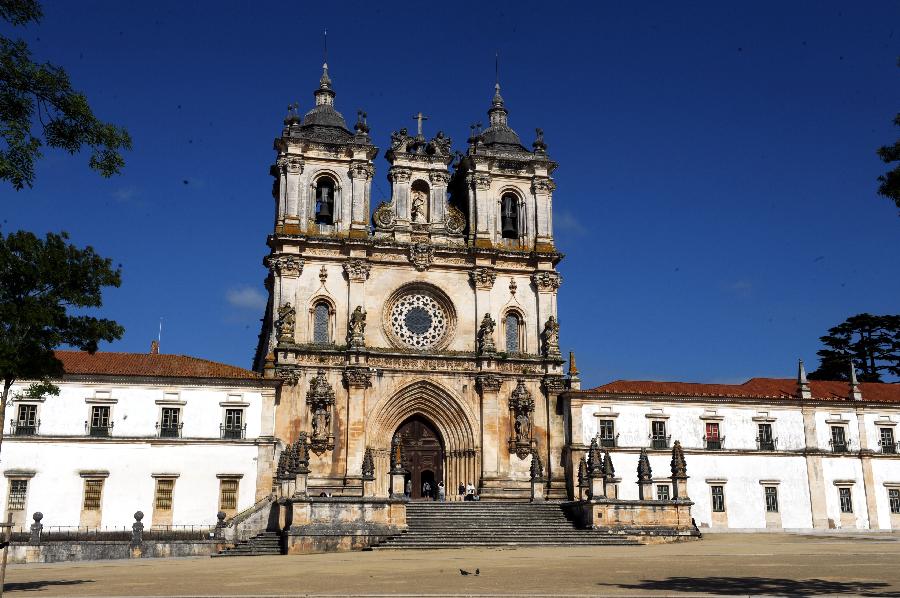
(645, 474)
(678, 464)
(855, 393)
(803, 390)
(498, 111)
(325, 93)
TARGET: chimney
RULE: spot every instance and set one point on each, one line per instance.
(803, 391)
(855, 393)
(154, 347)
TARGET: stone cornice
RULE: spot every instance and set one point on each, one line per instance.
(589, 395)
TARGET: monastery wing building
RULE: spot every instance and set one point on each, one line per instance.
(418, 344)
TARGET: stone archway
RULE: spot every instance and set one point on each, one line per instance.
(454, 421)
(423, 455)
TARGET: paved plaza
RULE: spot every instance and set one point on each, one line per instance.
(723, 565)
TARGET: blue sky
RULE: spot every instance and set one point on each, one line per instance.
(716, 190)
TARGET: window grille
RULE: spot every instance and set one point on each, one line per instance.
(846, 500)
(764, 439)
(100, 424)
(838, 439)
(170, 424)
(93, 490)
(164, 487)
(718, 499)
(321, 321)
(894, 499)
(234, 424)
(607, 433)
(512, 333)
(26, 422)
(18, 489)
(887, 441)
(771, 499)
(662, 492)
(228, 489)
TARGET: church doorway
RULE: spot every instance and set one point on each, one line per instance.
(423, 455)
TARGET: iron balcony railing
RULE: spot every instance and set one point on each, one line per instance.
(608, 441)
(714, 443)
(232, 432)
(889, 448)
(659, 442)
(98, 431)
(169, 430)
(23, 428)
(766, 444)
(839, 446)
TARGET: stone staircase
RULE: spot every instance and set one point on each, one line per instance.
(493, 524)
(265, 543)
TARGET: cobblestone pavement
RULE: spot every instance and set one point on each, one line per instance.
(720, 564)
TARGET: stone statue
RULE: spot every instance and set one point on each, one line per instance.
(356, 331)
(418, 206)
(321, 422)
(368, 465)
(285, 323)
(551, 338)
(486, 335)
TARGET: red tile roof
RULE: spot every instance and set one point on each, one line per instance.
(782, 388)
(147, 364)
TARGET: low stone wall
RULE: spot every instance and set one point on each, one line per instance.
(340, 523)
(55, 552)
(663, 518)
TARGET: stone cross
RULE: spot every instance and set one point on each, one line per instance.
(420, 117)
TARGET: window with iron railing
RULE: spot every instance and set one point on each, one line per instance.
(894, 499)
(18, 491)
(606, 433)
(164, 488)
(771, 499)
(93, 493)
(170, 423)
(713, 439)
(100, 424)
(886, 442)
(228, 494)
(846, 500)
(26, 423)
(658, 437)
(234, 426)
(765, 441)
(838, 440)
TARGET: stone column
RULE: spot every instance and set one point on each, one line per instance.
(438, 208)
(360, 174)
(357, 379)
(542, 190)
(814, 474)
(556, 438)
(484, 205)
(489, 389)
(865, 457)
(399, 178)
(292, 216)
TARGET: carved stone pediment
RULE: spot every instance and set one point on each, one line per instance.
(483, 278)
(358, 377)
(421, 255)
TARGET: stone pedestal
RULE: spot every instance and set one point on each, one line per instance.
(645, 490)
(286, 487)
(398, 484)
(679, 486)
(342, 523)
(538, 491)
(368, 487)
(300, 485)
(612, 488)
(598, 488)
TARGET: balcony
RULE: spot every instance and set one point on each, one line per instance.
(889, 448)
(232, 432)
(24, 428)
(839, 446)
(659, 442)
(713, 443)
(766, 444)
(99, 430)
(169, 430)
(608, 441)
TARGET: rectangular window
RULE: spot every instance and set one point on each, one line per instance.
(658, 434)
(894, 499)
(718, 498)
(99, 424)
(772, 499)
(662, 492)
(228, 490)
(170, 424)
(838, 439)
(164, 487)
(93, 493)
(234, 423)
(887, 441)
(764, 439)
(607, 432)
(26, 422)
(18, 489)
(846, 500)
(713, 439)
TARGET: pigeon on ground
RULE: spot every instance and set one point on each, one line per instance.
(477, 572)
(464, 572)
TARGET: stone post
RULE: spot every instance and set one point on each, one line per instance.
(137, 530)
(609, 477)
(36, 528)
(538, 491)
(219, 530)
(582, 479)
(645, 477)
(398, 474)
(597, 488)
(368, 474)
(679, 472)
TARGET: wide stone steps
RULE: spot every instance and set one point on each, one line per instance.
(493, 524)
(265, 543)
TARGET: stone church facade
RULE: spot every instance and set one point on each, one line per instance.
(440, 316)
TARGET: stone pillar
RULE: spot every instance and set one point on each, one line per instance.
(357, 378)
(36, 528)
(292, 215)
(679, 472)
(542, 189)
(556, 437)
(399, 178)
(814, 474)
(489, 389)
(137, 530)
(598, 487)
(865, 456)
(219, 530)
(360, 174)
(481, 191)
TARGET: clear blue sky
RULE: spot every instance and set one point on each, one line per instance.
(716, 190)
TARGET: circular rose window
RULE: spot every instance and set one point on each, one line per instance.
(419, 318)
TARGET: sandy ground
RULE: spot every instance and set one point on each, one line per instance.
(720, 564)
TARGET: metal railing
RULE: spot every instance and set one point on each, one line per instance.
(713, 443)
(842, 446)
(169, 431)
(232, 432)
(608, 442)
(766, 444)
(889, 448)
(98, 431)
(659, 442)
(18, 428)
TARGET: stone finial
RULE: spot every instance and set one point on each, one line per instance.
(645, 474)
(537, 468)
(855, 393)
(36, 528)
(301, 454)
(574, 379)
(595, 460)
(368, 465)
(137, 529)
(609, 472)
(803, 391)
(396, 455)
(582, 473)
(679, 466)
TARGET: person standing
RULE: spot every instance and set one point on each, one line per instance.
(408, 489)
(426, 490)
(442, 492)
(462, 489)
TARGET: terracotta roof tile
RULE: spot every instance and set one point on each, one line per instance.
(782, 388)
(147, 364)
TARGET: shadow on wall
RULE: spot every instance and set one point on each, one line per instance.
(728, 586)
(30, 586)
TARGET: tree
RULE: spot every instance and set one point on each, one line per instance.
(872, 342)
(45, 285)
(890, 181)
(33, 94)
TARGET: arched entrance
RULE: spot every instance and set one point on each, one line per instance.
(423, 455)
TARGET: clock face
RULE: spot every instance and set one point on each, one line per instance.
(419, 320)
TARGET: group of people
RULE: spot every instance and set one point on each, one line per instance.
(439, 492)
(467, 491)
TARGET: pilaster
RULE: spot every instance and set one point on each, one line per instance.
(814, 473)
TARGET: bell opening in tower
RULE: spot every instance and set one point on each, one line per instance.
(325, 201)
(509, 209)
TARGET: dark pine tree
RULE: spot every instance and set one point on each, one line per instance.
(872, 342)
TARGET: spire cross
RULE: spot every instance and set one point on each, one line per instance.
(325, 50)
(419, 117)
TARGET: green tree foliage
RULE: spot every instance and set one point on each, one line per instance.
(39, 107)
(45, 287)
(872, 342)
(890, 181)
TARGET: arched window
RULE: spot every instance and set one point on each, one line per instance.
(513, 327)
(325, 200)
(321, 323)
(509, 214)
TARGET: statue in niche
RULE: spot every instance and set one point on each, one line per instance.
(286, 322)
(356, 336)
(522, 427)
(486, 335)
(321, 421)
(419, 198)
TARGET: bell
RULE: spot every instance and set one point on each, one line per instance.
(510, 228)
(324, 213)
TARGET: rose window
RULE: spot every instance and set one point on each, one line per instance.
(418, 320)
